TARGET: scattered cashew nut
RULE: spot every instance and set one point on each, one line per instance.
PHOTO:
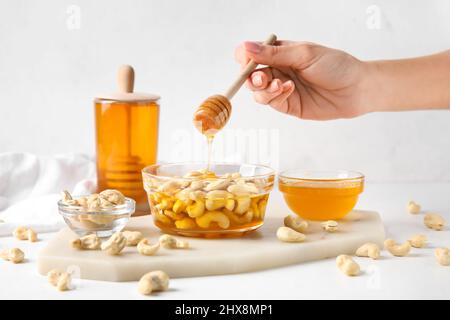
(115, 244)
(145, 248)
(286, 234)
(15, 255)
(23, 233)
(61, 280)
(296, 223)
(442, 256)
(418, 241)
(153, 281)
(434, 221)
(169, 242)
(413, 208)
(398, 250)
(330, 226)
(347, 265)
(89, 242)
(133, 237)
(370, 250)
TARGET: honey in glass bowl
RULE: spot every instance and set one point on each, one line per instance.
(225, 200)
(321, 195)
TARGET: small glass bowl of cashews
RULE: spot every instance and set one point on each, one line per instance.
(226, 200)
(101, 213)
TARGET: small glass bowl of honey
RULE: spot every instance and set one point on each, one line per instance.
(321, 195)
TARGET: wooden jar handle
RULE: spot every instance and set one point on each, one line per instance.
(249, 68)
(125, 79)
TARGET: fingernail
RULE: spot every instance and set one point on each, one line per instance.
(253, 47)
(288, 84)
(274, 87)
(257, 80)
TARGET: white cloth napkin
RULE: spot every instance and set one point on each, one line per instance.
(30, 187)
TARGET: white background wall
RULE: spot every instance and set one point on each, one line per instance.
(51, 67)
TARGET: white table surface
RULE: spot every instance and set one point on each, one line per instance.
(417, 276)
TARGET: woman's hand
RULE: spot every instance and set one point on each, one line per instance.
(306, 80)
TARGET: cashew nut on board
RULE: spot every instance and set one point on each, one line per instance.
(330, 226)
(133, 237)
(296, 223)
(169, 242)
(89, 242)
(145, 248)
(115, 244)
(286, 234)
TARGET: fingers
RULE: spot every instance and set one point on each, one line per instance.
(277, 92)
(280, 102)
(260, 79)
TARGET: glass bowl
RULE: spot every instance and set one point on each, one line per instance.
(102, 222)
(228, 200)
(321, 195)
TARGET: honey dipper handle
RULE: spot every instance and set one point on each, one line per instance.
(249, 68)
(125, 79)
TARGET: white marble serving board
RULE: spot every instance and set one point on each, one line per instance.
(256, 251)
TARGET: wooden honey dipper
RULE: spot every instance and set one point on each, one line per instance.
(214, 112)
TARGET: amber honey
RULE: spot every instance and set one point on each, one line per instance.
(321, 199)
(127, 141)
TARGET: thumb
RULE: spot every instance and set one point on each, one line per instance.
(293, 55)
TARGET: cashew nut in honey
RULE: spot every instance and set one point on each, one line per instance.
(242, 205)
(370, 250)
(196, 209)
(434, 221)
(398, 250)
(185, 223)
(218, 217)
(286, 234)
(145, 248)
(153, 281)
(296, 223)
(347, 265)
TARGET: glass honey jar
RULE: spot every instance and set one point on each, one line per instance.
(126, 138)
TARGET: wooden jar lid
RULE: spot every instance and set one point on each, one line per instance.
(125, 82)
